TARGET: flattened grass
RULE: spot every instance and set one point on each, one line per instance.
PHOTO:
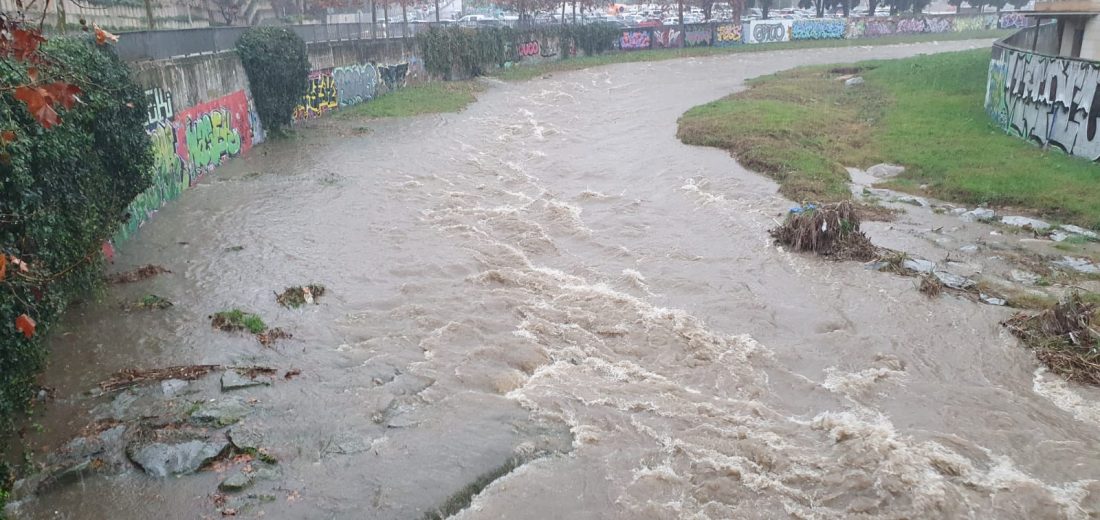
(802, 126)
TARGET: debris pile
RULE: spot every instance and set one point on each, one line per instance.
(294, 297)
(137, 275)
(1066, 338)
(831, 230)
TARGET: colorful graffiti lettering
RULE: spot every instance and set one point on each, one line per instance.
(320, 98)
(393, 76)
(158, 106)
(855, 29)
(769, 31)
(938, 25)
(698, 37)
(1050, 101)
(910, 25)
(666, 38)
(631, 40)
(1012, 21)
(874, 28)
(188, 144)
(355, 84)
(817, 29)
(529, 49)
(727, 34)
(208, 133)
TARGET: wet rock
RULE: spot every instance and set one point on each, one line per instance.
(409, 384)
(236, 482)
(852, 82)
(970, 248)
(919, 265)
(122, 403)
(1081, 265)
(977, 214)
(953, 281)
(1024, 277)
(1069, 228)
(246, 439)
(265, 472)
(909, 199)
(876, 265)
(1059, 236)
(222, 412)
(958, 211)
(233, 380)
(991, 300)
(886, 170)
(1025, 222)
(172, 387)
(160, 459)
(347, 444)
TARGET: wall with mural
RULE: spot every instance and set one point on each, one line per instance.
(199, 110)
(1049, 101)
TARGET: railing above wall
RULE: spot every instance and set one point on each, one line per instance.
(161, 45)
(1042, 39)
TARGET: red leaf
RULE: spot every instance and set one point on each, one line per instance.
(21, 264)
(25, 324)
(3, 266)
(64, 93)
(108, 251)
(38, 103)
(102, 37)
(33, 73)
(7, 136)
(25, 43)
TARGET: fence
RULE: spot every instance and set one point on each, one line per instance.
(159, 45)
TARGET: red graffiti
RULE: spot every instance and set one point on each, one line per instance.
(233, 106)
(530, 48)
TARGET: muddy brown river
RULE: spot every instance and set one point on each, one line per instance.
(551, 283)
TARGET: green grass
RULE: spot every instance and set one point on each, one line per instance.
(422, 98)
(524, 72)
(802, 126)
(236, 319)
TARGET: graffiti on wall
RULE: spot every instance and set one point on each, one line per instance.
(319, 98)
(158, 106)
(727, 34)
(631, 40)
(821, 29)
(1012, 21)
(1049, 101)
(666, 38)
(187, 144)
(393, 76)
(768, 31)
(355, 84)
(698, 37)
(975, 23)
(528, 49)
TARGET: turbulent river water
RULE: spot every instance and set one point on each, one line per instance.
(550, 280)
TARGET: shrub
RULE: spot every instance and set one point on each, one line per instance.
(592, 39)
(63, 192)
(277, 65)
(450, 51)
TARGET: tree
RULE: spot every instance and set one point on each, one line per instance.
(277, 66)
(229, 10)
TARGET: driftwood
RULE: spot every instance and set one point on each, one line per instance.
(1066, 338)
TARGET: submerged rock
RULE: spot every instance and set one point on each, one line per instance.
(221, 412)
(1070, 228)
(992, 300)
(1024, 277)
(851, 82)
(1081, 265)
(245, 439)
(171, 387)
(977, 214)
(919, 265)
(1036, 224)
(236, 482)
(953, 281)
(233, 380)
(909, 199)
(160, 459)
(886, 170)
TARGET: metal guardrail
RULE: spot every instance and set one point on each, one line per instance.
(1041, 39)
(166, 44)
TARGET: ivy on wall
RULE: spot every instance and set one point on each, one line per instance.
(277, 65)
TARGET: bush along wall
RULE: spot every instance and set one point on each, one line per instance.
(63, 191)
(277, 64)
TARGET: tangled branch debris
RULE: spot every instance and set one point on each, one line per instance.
(930, 286)
(294, 297)
(141, 273)
(135, 376)
(830, 230)
(268, 338)
(1065, 338)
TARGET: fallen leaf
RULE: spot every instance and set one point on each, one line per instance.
(21, 264)
(102, 37)
(3, 266)
(25, 324)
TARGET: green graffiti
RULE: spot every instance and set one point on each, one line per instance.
(169, 180)
(211, 138)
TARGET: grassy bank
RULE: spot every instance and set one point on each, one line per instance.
(534, 71)
(421, 98)
(802, 126)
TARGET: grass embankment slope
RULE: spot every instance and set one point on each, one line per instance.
(802, 126)
(452, 96)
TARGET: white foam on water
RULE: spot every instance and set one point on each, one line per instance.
(1058, 391)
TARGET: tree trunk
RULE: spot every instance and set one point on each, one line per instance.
(437, 10)
(563, 12)
(404, 20)
(846, 7)
(820, 6)
(373, 20)
(386, 19)
(682, 33)
(61, 16)
(574, 12)
(148, 13)
(765, 6)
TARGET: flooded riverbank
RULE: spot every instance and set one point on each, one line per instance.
(550, 280)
